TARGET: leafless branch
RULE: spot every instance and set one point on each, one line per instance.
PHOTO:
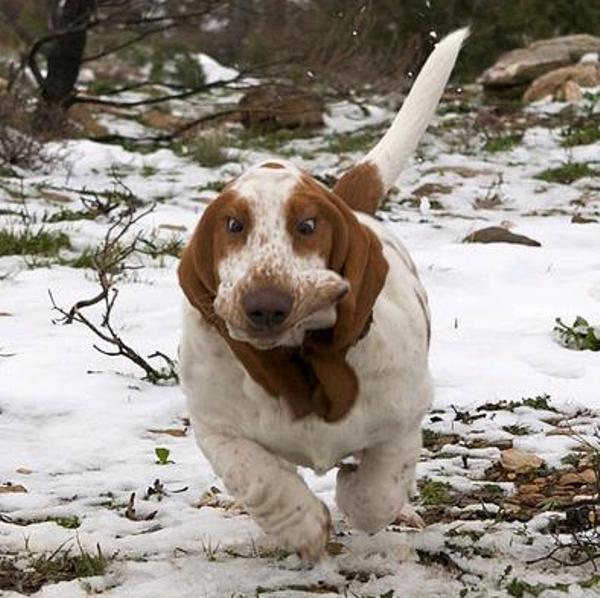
(111, 263)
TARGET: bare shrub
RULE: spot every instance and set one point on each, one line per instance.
(112, 261)
(23, 132)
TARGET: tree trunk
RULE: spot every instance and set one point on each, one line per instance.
(66, 51)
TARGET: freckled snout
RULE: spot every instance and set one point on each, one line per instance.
(267, 308)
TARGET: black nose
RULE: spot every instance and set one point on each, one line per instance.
(267, 308)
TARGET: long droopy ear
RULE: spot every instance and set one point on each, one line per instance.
(197, 269)
(365, 185)
(365, 268)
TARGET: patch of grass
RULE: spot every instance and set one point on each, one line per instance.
(434, 492)
(572, 460)
(84, 260)
(502, 144)
(7, 172)
(68, 522)
(517, 429)
(207, 150)
(521, 589)
(581, 336)
(27, 242)
(157, 247)
(540, 402)
(148, 171)
(272, 141)
(67, 215)
(346, 143)
(28, 573)
(214, 186)
(585, 132)
(567, 173)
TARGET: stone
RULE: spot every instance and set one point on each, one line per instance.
(564, 84)
(273, 107)
(497, 234)
(587, 476)
(516, 461)
(520, 67)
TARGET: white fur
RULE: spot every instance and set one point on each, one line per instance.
(403, 136)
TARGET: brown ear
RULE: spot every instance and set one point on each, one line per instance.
(361, 188)
(365, 268)
(197, 275)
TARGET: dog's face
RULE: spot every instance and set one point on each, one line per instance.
(273, 239)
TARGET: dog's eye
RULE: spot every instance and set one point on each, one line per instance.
(307, 227)
(234, 225)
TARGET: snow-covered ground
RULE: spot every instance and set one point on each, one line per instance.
(78, 429)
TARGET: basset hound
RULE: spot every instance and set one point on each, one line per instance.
(305, 336)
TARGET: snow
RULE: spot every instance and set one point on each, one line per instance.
(213, 70)
(75, 425)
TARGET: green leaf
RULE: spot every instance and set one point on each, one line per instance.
(162, 454)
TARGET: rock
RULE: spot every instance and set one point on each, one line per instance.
(497, 234)
(520, 67)
(579, 219)
(565, 83)
(274, 107)
(518, 462)
(587, 476)
(430, 189)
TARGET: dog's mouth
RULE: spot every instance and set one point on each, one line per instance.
(276, 328)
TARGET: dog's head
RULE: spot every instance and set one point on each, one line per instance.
(276, 255)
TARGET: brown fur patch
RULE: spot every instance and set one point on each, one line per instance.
(361, 188)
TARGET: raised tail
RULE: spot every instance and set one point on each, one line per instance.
(365, 185)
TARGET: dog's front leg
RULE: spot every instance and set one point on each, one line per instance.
(375, 493)
(276, 497)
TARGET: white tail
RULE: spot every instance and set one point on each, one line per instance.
(401, 139)
(405, 132)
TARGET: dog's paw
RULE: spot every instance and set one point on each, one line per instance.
(309, 536)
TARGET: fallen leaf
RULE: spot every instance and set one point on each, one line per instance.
(11, 488)
(518, 462)
(169, 431)
(55, 197)
(176, 227)
(24, 470)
